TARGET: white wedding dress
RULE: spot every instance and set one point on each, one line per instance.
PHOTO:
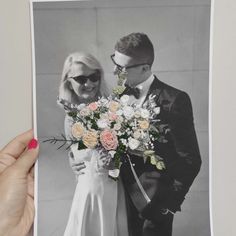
(98, 207)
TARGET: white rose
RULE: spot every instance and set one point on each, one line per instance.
(103, 101)
(137, 134)
(137, 114)
(120, 119)
(104, 116)
(114, 173)
(133, 143)
(117, 126)
(144, 113)
(85, 111)
(119, 112)
(124, 99)
(102, 123)
(128, 112)
(157, 110)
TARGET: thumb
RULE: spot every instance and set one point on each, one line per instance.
(25, 162)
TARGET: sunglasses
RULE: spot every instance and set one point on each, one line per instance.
(82, 79)
(122, 68)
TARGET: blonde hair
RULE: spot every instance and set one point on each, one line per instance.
(88, 60)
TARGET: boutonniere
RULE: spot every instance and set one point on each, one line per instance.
(120, 88)
(155, 159)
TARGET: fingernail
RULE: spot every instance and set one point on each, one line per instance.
(32, 144)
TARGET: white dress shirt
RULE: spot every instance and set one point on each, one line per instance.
(144, 88)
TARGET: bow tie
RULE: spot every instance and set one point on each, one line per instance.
(132, 91)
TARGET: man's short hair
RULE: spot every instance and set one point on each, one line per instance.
(137, 46)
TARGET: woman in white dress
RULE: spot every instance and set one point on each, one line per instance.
(98, 207)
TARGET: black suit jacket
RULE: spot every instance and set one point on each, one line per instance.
(167, 188)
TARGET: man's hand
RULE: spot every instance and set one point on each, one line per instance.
(17, 185)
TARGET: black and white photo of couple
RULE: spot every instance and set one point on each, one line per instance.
(101, 202)
(145, 200)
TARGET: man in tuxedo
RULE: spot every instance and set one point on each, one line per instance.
(152, 208)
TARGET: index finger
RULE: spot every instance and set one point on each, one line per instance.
(17, 146)
(78, 164)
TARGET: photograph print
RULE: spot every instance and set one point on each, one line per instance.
(121, 112)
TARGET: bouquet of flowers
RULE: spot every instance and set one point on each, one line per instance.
(116, 127)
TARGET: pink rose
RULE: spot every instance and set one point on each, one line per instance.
(109, 140)
(113, 116)
(93, 106)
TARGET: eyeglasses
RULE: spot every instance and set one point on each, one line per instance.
(122, 68)
(82, 79)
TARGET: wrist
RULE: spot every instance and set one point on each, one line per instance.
(4, 227)
(3, 220)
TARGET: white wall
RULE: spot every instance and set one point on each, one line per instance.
(15, 96)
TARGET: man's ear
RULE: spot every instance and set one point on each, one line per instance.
(146, 68)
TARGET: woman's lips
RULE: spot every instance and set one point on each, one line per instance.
(88, 89)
